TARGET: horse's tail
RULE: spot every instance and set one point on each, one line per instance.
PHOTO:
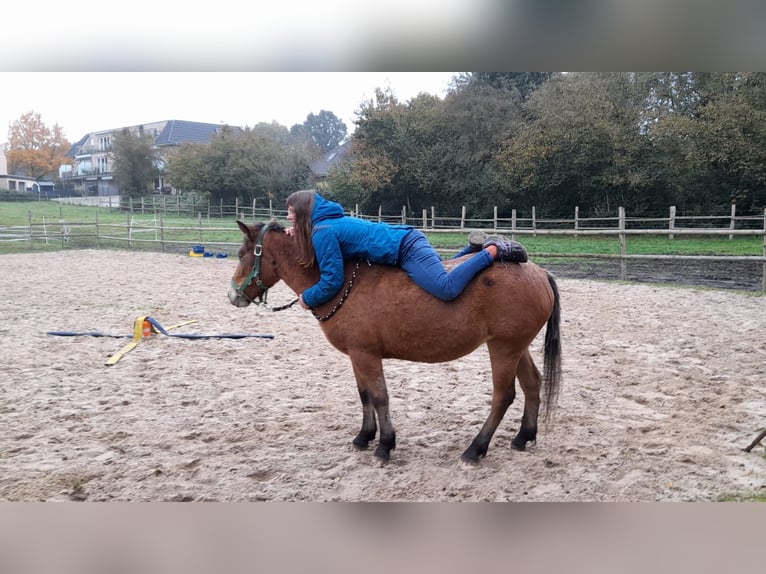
(552, 354)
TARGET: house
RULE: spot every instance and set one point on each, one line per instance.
(14, 182)
(321, 167)
(91, 172)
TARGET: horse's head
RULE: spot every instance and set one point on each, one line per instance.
(257, 269)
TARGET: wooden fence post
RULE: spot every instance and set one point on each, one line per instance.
(763, 280)
(433, 217)
(462, 218)
(577, 218)
(534, 220)
(733, 218)
(494, 224)
(672, 221)
(623, 246)
(404, 215)
(513, 224)
(425, 219)
(162, 233)
(380, 213)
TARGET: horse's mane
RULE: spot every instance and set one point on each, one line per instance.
(272, 225)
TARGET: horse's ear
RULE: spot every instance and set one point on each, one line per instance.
(244, 228)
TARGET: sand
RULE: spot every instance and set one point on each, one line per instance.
(663, 388)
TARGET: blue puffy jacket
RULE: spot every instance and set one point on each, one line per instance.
(338, 237)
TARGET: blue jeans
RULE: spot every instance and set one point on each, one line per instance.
(424, 265)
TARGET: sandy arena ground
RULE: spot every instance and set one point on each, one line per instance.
(663, 388)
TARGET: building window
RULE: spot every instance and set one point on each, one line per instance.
(11, 185)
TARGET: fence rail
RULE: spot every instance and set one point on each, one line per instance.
(428, 219)
(145, 225)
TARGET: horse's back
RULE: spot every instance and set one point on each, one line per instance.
(387, 314)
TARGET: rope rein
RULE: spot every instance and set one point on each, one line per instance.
(342, 300)
(283, 307)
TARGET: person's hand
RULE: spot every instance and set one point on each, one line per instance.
(302, 303)
(290, 231)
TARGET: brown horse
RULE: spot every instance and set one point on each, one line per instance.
(383, 314)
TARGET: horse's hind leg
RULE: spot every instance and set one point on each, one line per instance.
(371, 383)
(503, 393)
(530, 381)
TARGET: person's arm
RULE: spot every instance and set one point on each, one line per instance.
(330, 260)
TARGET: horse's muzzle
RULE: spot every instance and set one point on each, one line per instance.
(236, 299)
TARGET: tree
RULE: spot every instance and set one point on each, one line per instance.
(325, 130)
(429, 151)
(710, 132)
(134, 163)
(732, 139)
(581, 146)
(34, 149)
(479, 118)
(355, 182)
(256, 164)
(521, 84)
(379, 172)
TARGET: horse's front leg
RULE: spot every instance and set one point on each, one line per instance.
(371, 383)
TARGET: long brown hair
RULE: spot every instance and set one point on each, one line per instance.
(302, 203)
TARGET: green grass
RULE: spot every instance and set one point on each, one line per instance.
(192, 230)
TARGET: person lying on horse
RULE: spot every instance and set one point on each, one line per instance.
(327, 237)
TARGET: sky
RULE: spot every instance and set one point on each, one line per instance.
(83, 102)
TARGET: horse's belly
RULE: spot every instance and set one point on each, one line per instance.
(423, 346)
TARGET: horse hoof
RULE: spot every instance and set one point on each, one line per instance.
(518, 446)
(360, 444)
(383, 453)
(470, 461)
(471, 457)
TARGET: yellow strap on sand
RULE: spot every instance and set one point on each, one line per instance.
(138, 335)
